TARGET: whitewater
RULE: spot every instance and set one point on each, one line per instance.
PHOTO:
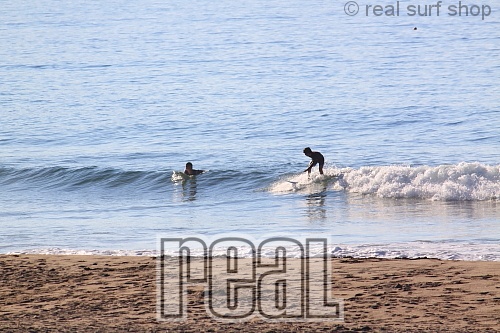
(461, 182)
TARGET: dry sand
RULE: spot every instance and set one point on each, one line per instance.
(48, 293)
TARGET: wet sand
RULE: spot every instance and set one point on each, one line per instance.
(50, 293)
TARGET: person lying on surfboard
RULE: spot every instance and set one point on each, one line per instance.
(190, 171)
(316, 158)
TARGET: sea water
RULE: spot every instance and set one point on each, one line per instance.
(102, 104)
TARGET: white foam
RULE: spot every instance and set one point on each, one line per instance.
(464, 181)
(303, 182)
(412, 250)
(63, 251)
(460, 182)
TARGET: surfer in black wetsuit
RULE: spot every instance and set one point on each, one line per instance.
(316, 158)
(190, 171)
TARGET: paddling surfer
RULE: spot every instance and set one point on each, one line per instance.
(190, 171)
(316, 158)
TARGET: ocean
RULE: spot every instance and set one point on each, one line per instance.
(102, 104)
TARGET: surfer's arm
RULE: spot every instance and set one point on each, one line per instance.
(311, 164)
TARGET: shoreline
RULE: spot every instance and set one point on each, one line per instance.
(93, 293)
(412, 250)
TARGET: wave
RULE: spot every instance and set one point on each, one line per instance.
(73, 179)
(304, 183)
(460, 182)
(77, 178)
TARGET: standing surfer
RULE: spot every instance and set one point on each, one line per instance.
(316, 158)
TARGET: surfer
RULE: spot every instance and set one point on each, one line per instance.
(316, 158)
(190, 171)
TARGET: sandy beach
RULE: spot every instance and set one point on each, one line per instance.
(49, 293)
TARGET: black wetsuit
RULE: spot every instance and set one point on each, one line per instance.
(193, 172)
(317, 157)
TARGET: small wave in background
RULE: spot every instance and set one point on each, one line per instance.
(66, 178)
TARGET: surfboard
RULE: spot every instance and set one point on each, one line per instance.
(179, 175)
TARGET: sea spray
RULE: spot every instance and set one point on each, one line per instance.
(460, 182)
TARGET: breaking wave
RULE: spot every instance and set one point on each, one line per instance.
(460, 182)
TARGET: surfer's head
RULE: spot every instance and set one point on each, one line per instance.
(189, 166)
(307, 151)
